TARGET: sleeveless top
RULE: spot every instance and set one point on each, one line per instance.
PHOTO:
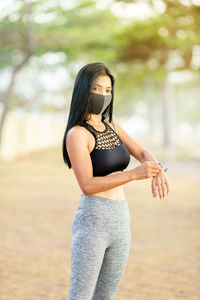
(109, 153)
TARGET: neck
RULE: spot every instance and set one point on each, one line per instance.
(95, 119)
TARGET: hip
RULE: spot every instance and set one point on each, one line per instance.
(101, 214)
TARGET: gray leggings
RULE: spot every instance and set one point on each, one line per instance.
(100, 246)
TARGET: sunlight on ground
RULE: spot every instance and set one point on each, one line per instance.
(39, 196)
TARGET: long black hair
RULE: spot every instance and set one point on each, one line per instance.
(79, 107)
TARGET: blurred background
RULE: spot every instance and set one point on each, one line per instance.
(152, 47)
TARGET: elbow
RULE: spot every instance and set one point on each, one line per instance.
(83, 188)
(87, 189)
(90, 189)
(89, 186)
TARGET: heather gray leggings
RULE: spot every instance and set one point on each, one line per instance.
(100, 246)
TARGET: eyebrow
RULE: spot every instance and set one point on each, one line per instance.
(101, 85)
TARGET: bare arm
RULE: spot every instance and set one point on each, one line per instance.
(135, 149)
(78, 151)
(159, 181)
(145, 155)
(103, 183)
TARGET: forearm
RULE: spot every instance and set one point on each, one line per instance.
(102, 183)
(147, 156)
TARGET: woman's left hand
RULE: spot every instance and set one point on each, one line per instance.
(160, 184)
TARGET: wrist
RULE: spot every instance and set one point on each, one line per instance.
(164, 169)
(133, 174)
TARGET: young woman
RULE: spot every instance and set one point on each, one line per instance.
(98, 149)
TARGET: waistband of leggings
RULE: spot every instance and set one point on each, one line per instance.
(104, 200)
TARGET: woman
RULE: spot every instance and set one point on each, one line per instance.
(98, 150)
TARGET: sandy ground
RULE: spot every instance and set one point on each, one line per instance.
(38, 197)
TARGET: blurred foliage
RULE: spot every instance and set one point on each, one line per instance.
(85, 32)
(135, 50)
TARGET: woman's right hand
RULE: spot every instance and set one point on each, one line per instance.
(147, 169)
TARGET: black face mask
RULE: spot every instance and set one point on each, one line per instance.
(98, 102)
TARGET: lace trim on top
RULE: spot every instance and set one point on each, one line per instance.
(107, 139)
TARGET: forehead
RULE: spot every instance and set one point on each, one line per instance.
(103, 81)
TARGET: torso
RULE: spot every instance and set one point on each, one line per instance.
(116, 193)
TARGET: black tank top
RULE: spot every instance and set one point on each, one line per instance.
(109, 153)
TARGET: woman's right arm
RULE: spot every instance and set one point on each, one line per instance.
(79, 155)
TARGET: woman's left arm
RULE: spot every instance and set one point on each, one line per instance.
(159, 182)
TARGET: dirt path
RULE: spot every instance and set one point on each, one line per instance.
(38, 197)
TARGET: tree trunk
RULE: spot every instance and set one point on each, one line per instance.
(168, 120)
(7, 95)
(31, 46)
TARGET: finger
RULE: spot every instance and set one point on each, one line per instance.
(156, 167)
(167, 186)
(154, 173)
(155, 164)
(157, 184)
(153, 185)
(158, 172)
(159, 189)
(162, 187)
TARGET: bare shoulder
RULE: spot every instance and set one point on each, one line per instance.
(77, 133)
(77, 129)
